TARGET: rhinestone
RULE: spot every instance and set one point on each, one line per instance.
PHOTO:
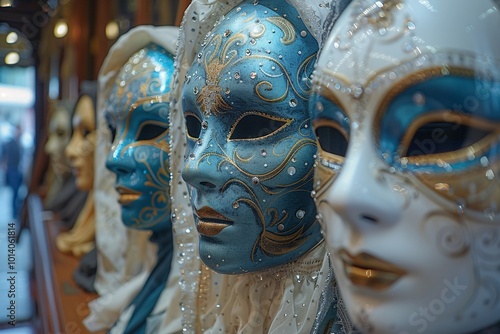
(281, 227)
(236, 205)
(204, 125)
(357, 91)
(255, 180)
(227, 33)
(291, 171)
(408, 47)
(195, 90)
(319, 106)
(191, 156)
(303, 33)
(248, 52)
(253, 75)
(300, 214)
(237, 75)
(293, 103)
(227, 91)
(419, 99)
(263, 152)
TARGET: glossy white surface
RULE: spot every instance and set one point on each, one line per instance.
(448, 255)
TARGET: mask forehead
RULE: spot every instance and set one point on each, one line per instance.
(379, 36)
(254, 59)
(145, 78)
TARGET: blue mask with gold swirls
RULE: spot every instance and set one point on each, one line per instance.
(138, 109)
(138, 115)
(250, 146)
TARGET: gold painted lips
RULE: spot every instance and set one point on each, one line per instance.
(210, 222)
(126, 195)
(369, 271)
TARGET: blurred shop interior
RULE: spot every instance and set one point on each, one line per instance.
(48, 48)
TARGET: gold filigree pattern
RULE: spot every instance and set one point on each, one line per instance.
(269, 242)
(160, 205)
(287, 28)
(210, 99)
(219, 55)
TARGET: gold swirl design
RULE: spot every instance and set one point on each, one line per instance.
(285, 26)
(138, 67)
(270, 243)
(159, 179)
(258, 31)
(210, 99)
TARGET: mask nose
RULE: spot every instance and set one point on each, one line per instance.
(202, 167)
(363, 192)
(120, 159)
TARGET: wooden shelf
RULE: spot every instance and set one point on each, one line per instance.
(61, 304)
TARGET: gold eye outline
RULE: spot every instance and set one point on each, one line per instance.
(447, 116)
(284, 122)
(160, 125)
(190, 115)
(326, 123)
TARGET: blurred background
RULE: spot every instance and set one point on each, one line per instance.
(47, 49)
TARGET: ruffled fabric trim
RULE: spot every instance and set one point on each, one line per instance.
(279, 300)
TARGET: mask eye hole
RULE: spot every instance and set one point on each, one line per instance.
(150, 131)
(332, 140)
(438, 137)
(111, 126)
(193, 125)
(256, 126)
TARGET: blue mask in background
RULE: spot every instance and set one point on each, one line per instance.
(138, 109)
(138, 115)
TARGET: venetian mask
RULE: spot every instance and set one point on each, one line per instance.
(406, 109)
(137, 111)
(58, 138)
(80, 149)
(250, 145)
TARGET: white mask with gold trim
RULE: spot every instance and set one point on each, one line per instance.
(406, 109)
